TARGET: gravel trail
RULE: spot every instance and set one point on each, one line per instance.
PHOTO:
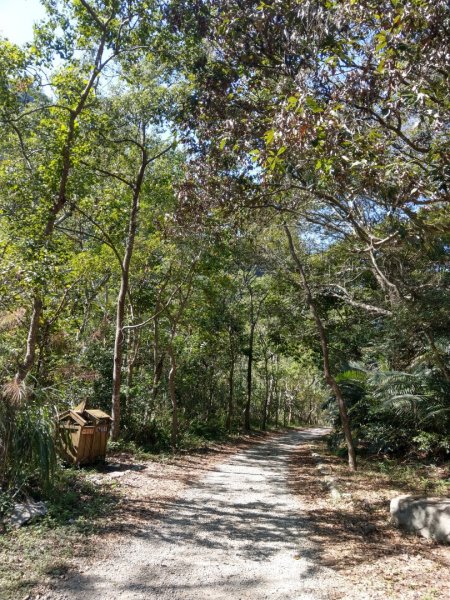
(237, 534)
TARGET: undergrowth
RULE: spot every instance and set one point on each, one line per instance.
(76, 510)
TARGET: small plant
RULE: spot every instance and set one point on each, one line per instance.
(6, 504)
(27, 444)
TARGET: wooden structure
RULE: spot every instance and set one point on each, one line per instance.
(84, 434)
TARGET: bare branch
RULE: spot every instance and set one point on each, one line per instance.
(107, 173)
(94, 15)
(345, 296)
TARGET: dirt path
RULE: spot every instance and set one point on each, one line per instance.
(238, 533)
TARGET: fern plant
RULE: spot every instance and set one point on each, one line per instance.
(399, 410)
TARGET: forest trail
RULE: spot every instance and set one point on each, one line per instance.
(238, 533)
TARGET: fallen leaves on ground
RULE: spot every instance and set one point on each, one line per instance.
(354, 536)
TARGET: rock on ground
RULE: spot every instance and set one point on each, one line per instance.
(430, 517)
(23, 512)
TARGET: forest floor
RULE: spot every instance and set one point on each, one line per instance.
(352, 530)
(245, 521)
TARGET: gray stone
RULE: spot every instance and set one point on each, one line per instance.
(117, 474)
(24, 512)
(430, 517)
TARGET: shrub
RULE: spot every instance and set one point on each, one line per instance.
(27, 443)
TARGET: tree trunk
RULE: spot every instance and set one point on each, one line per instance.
(33, 329)
(331, 381)
(277, 404)
(117, 360)
(129, 383)
(229, 420)
(158, 364)
(173, 396)
(285, 405)
(309, 418)
(249, 378)
(266, 395)
(121, 300)
(133, 348)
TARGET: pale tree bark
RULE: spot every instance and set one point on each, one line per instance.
(251, 340)
(30, 354)
(230, 409)
(122, 296)
(277, 395)
(173, 396)
(268, 389)
(266, 392)
(330, 380)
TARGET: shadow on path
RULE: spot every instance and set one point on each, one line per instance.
(238, 533)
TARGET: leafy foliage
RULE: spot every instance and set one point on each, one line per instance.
(119, 245)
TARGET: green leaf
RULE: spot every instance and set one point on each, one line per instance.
(292, 102)
(269, 136)
(312, 104)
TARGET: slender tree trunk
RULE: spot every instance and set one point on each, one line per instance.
(157, 376)
(277, 404)
(121, 301)
(270, 397)
(42, 345)
(387, 286)
(330, 380)
(249, 378)
(33, 330)
(266, 394)
(285, 405)
(118, 353)
(229, 420)
(133, 348)
(129, 383)
(173, 396)
(158, 364)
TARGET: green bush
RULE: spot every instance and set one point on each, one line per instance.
(396, 412)
(149, 435)
(208, 430)
(27, 444)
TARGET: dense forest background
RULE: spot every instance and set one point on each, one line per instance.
(218, 216)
